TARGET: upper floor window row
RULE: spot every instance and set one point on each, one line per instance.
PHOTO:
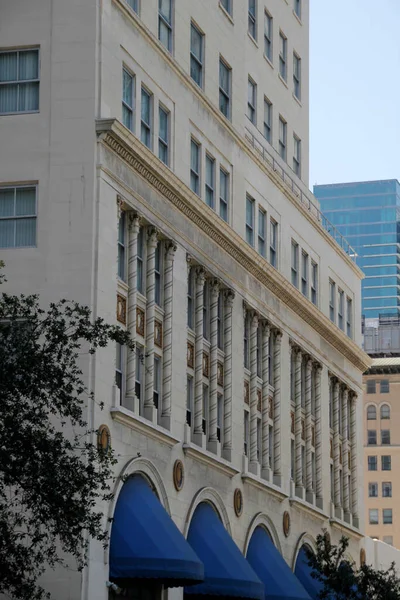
(372, 386)
(19, 81)
(340, 309)
(259, 234)
(304, 273)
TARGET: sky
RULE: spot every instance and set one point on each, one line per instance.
(354, 90)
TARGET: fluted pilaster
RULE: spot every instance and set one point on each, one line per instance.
(254, 465)
(265, 461)
(309, 466)
(198, 371)
(134, 226)
(149, 408)
(345, 453)
(170, 250)
(297, 423)
(229, 297)
(353, 439)
(277, 409)
(336, 447)
(214, 294)
(318, 438)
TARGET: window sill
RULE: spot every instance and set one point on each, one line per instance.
(297, 99)
(141, 425)
(227, 15)
(283, 81)
(269, 61)
(209, 459)
(20, 112)
(296, 16)
(253, 40)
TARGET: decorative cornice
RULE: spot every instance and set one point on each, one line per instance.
(129, 148)
(209, 459)
(264, 485)
(346, 529)
(309, 508)
(141, 425)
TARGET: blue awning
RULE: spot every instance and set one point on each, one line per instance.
(145, 542)
(227, 573)
(303, 573)
(279, 580)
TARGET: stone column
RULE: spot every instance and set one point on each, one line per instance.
(131, 401)
(345, 454)
(198, 358)
(265, 460)
(277, 410)
(336, 449)
(318, 439)
(310, 496)
(229, 297)
(299, 490)
(212, 429)
(149, 408)
(170, 250)
(254, 465)
(353, 441)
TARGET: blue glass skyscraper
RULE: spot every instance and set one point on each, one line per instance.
(367, 214)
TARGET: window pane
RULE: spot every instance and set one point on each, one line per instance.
(194, 157)
(25, 234)
(127, 88)
(25, 201)
(164, 34)
(249, 212)
(165, 9)
(163, 125)
(7, 233)
(196, 45)
(224, 77)
(145, 107)
(28, 64)
(127, 117)
(8, 98)
(6, 203)
(28, 97)
(8, 66)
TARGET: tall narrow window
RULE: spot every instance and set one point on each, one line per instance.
(145, 123)
(165, 23)
(157, 274)
(282, 137)
(139, 263)
(297, 76)
(332, 291)
(341, 309)
(268, 36)
(246, 347)
(282, 55)
(196, 55)
(251, 100)
(295, 264)
(387, 489)
(224, 89)
(205, 409)
(139, 373)
(273, 243)
(268, 120)
(246, 432)
(220, 416)
(220, 322)
(304, 274)
(189, 400)
(119, 372)
(385, 437)
(297, 8)
(296, 155)
(157, 381)
(195, 166)
(206, 311)
(262, 219)
(163, 135)
(223, 194)
(386, 463)
(227, 4)
(349, 317)
(385, 386)
(190, 299)
(210, 181)
(17, 217)
(252, 28)
(19, 81)
(128, 99)
(122, 247)
(372, 490)
(249, 220)
(314, 283)
(387, 516)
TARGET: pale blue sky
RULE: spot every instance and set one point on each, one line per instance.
(354, 90)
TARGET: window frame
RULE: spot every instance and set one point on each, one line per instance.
(371, 386)
(162, 20)
(130, 109)
(262, 235)
(195, 175)
(332, 300)
(371, 408)
(268, 111)
(314, 282)
(122, 270)
(22, 82)
(158, 271)
(385, 437)
(387, 516)
(189, 400)
(157, 380)
(228, 7)
(297, 155)
(295, 263)
(383, 388)
(297, 8)
(199, 60)
(252, 100)
(373, 489)
(134, 5)
(273, 243)
(225, 93)
(252, 19)
(268, 36)
(250, 202)
(387, 491)
(282, 56)
(190, 299)
(209, 185)
(146, 126)
(388, 466)
(372, 439)
(349, 317)
(341, 315)
(384, 416)
(164, 143)
(224, 201)
(375, 519)
(15, 218)
(282, 138)
(304, 273)
(297, 76)
(372, 461)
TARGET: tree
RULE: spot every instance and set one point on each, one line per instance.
(342, 580)
(52, 475)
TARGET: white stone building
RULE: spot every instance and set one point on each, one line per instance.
(154, 165)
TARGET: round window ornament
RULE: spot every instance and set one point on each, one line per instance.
(103, 439)
(286, 523)
(363, 557)
(238, 502)
(178, 475)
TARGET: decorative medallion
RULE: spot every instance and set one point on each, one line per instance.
(259, 400)
(286, 523)
(292, 422)
(363, 557)
(190, 355)
(206, 364)
(246, 392)
(303, 430)
(158, 333)
(331, 448)
(238, 502)
(103, 439)
(178, 475)
(140, 321)
(121, 309)
(271, 408)
(312, 435)
(220, 374)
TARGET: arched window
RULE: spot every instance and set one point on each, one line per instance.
(385, 411)
(371, 412)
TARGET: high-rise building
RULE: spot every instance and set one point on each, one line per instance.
(367, 214)
(154, 166)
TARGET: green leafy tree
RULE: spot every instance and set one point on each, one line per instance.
(52, 475)
(342, 580)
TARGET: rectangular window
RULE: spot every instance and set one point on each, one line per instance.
(386, 463)
(259, 439)
(388, 539)
(189, 400)
(268, 36)
(249, 220)
(297, 76)
(373, 516)
(223, 194)
(385, 437)
(296, 155)
(220, 322)
(268, 120)
(196, 55)
(205, 409)
(262, 220)
(332, 288)
(157, 274)
(122, 247)
(210, 181)
(145, 118)
(190, 299)
(118, 371)
(227, 4)
(195, 167)
(349, 317)
(225, 88)
(220, 416)
(165, 23)
(134, 4)
(128, 99)
(295, 264)
(246, 432)
(384, 383)
(157, 381)
(387, 516)
(387, 489)
(371, 386)
(304, 274)
(341, 309)
(282, 55)
(371, 437)
(18, 216)
(273, 243)
(252, 25)
(251, 100)
(139, 373)
(163, 135)
(373, 490)
(297, 8)
(19, 81)
(372, 463)
(282, 137)
(206, 312)
(139, 264)
(314, 283)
